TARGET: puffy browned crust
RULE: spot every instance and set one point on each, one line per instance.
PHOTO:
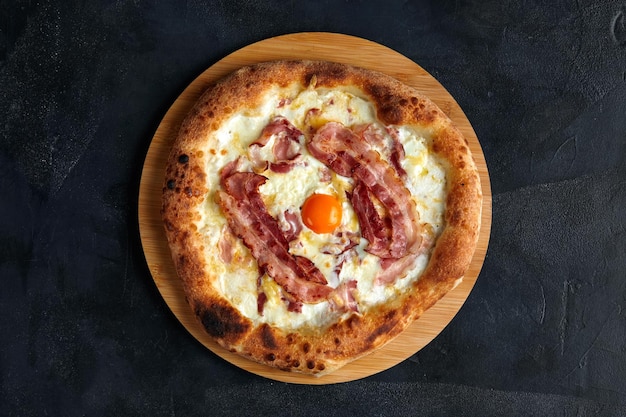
(311, 350)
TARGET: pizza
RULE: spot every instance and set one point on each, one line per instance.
(314, 210)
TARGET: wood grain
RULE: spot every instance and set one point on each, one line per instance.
(317, 46)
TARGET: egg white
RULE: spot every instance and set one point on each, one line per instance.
(288, 191)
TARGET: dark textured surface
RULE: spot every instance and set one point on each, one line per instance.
(83, 86)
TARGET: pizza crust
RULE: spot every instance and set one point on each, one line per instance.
(314, 350)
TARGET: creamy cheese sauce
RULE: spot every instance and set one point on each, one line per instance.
(287, 191)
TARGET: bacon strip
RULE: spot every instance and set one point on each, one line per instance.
(286, 147)
(292, 225)
(249, 219)
(373, 227)
(393, 268)
(225, 245)
(343, 299)
(343, 151)
(396, 154)
(341, 243)
(391, 148)
(279, 125)
(261, 299)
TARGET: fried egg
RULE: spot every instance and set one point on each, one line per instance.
(319, 198)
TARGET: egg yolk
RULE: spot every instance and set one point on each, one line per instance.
(321, 213)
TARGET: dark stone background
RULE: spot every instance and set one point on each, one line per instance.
(83, 86)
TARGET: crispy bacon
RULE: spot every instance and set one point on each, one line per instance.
(341, 243)
(371, 134)
(294, 306)
(310, 117)
(309, 270)
(373, 226)
(258, 163)
(285, 149)
(284, 166)
(389, 145)
(336, 147)
(231, 167)
(283, 102)
(343, 299)
(292, 226)
(278, 126)
(392, 268)
(249, 219)
(341, 149)
(396, 154)
(225, 245)
(261, 299)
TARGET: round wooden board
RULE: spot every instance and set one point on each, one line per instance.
(314, 46)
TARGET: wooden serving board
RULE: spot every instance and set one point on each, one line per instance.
(314, 46)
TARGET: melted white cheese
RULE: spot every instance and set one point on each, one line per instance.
(238, 281)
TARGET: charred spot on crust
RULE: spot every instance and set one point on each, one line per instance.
(310, 364)
(352, 322)
(321, 366)
(390, 114)
(385, 328)
(267, 337)
(456, 217)
(306, 347)
(168, 225)
(406, 307)
(220, 321)
(325, 74)
(390, 107)
(171, 184)
(379, 92)
(420, 115)
(183, 159)
(182, 259)
(270, 357)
